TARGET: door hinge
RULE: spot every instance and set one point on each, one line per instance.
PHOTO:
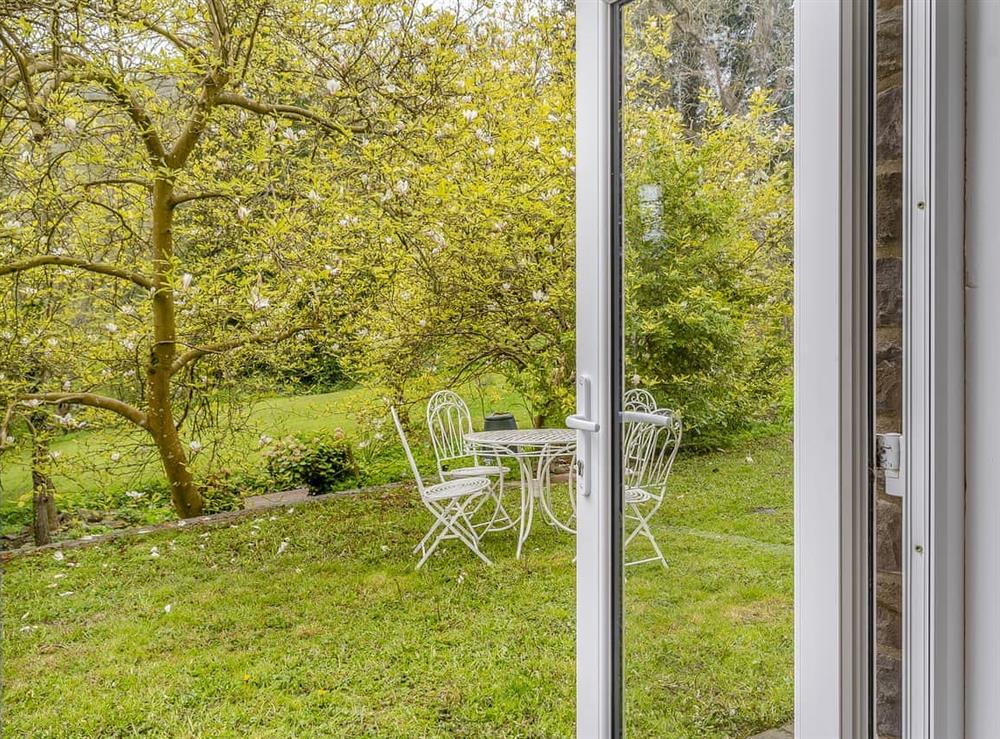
(889, 456)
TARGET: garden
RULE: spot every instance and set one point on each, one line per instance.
(232, 237)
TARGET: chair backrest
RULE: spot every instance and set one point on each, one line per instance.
(406, 448)
(638, 399)
(448, 421)
(654, 439)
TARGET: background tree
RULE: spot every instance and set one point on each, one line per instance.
(708, 249)
(731, 48)
(151, 133)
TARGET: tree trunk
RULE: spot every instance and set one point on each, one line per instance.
(160, 418)
(183, 491)
(45, 517)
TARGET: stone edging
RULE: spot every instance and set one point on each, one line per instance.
(211, 520)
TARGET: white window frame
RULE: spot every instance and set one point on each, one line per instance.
(832, 428)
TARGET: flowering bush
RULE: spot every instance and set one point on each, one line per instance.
(320, 462)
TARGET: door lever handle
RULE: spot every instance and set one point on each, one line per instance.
(581, 423)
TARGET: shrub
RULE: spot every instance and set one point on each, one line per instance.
(320, 462)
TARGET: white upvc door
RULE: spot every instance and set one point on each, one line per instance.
(831, 364)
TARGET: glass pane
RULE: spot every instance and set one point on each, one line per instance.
(706, 112)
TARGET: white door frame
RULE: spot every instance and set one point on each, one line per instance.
(594, 621)
(831, 360)
(933, 368)
(832, 417)
(982, 356)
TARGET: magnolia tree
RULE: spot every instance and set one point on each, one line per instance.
(174, 189)
(474, 267)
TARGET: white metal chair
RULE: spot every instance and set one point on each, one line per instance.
(652, 440)
(448, 421)
(451, 503)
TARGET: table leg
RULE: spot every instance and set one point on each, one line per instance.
(529, 490)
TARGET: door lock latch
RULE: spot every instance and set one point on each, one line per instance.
(889, 459)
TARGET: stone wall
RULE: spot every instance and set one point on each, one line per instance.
(888, 356)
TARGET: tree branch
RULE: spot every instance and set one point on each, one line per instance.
(100, 268)
(92, 400)
(186, 197)
(116, 87)
(197, 352)
(292, 112)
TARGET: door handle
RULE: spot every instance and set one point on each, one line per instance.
(582, 422)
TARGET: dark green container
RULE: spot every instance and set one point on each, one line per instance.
(499, 422)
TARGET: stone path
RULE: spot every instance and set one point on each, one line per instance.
(782, 732)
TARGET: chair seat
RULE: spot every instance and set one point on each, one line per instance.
(637, 495)
(466, 486)
(483, 470)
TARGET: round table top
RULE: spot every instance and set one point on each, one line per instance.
(523, 437)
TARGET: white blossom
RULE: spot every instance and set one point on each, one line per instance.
(314, 196)
(402, 187)
(134, 494)
(538, 296)
(115, 456)
(333, 86)
(243, 212)
(186, 279)
(195, 446)
(55, 454)
(167, 608)
(58, 556)
(111, 327)
(70, 124)
(283, 546)
(257, 301)
(264, 440)
(470, 115)
(535, 143)
(154, 552)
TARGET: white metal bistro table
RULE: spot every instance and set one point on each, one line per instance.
(534, 450)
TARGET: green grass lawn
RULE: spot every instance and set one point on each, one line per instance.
(339, 636)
